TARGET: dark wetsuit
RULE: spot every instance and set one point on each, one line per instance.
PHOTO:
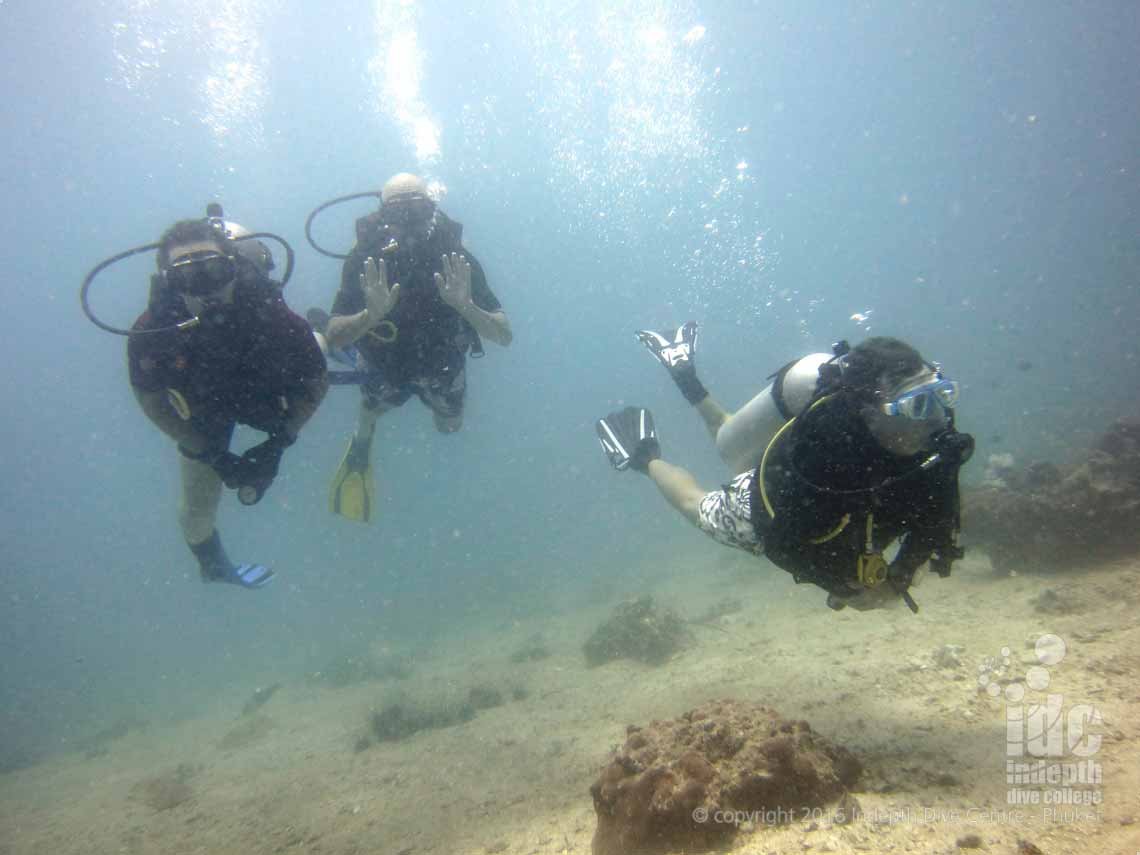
(830, 469)
(825, 479)
(422, 347)
(246, 363)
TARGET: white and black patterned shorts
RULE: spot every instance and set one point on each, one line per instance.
(726, 515)
(444, 394)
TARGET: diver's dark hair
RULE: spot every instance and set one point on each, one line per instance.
(190, 231)
(877, 362)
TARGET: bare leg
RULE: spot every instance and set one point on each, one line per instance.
(713, 415)
(366, 420)
(446, 401)
(676, 355)
(197, 513)
(679, 488)
(201, 494)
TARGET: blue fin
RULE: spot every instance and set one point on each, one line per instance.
(249, 576)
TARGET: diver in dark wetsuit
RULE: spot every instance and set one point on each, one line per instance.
(839, 458)
(218, 347)
(412, 302)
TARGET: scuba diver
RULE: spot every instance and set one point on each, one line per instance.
(839, 457)
(216, 347)
(412, 303)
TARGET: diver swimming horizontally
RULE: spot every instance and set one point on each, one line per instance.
(216, 347)
(841, 456)
(413, 302)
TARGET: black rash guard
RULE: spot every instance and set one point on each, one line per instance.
(248, 362)
(428, 338)
(830, 468)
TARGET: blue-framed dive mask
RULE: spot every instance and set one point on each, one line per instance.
(925, 401)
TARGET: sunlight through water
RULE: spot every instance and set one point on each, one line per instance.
(397, 74)
(625, 100)
(151, 39)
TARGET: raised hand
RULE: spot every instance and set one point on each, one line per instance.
(454, 283)
(378, 297)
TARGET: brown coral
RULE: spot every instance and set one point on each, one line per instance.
(686, 784)
(1049, 516)
(637, 630)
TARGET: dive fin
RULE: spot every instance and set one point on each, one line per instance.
(629, 438)
(249, 576)
(353, 490)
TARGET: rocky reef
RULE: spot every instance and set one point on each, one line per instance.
(688, 784)
(407, 715)
(637, 630)
(1044, 515)
(399, 721)
(166, 790)
(534, 650)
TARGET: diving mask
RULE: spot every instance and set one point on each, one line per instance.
(407, 211)
(201, 273)
(920, 403)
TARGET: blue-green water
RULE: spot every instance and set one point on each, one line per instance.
(963, 175)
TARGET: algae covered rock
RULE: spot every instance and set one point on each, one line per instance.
(688, 784)
(400, 720)
(410, 713)
(534, 650)
(249, 730)
(637, 630)
(1047, 516)
(166, 790)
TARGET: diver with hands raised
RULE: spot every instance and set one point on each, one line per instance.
(413, 302)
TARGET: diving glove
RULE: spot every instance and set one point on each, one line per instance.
(677, 357)
(629, 439)
(258, 467)
(253, 472)
(227, 465)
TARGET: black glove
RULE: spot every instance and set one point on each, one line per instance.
(258, 466)
(225, 463)
(228, 466)
(629, 439)
(252, 472)
(677, 357)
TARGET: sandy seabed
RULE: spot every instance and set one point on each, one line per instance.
(287, 779)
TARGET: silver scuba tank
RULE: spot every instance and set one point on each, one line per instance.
(742, 439)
